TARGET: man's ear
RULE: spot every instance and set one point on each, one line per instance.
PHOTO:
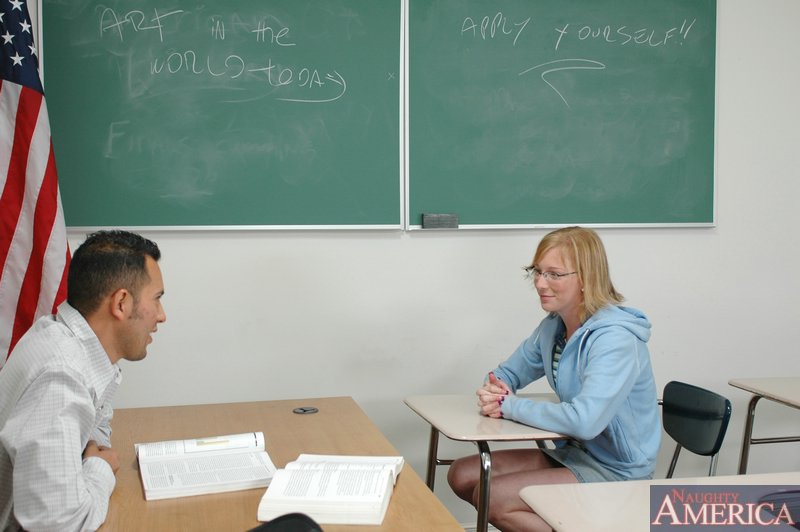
(121, 304)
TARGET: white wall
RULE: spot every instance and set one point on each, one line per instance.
(383, 315)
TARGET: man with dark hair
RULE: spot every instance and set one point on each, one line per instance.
(57, 466)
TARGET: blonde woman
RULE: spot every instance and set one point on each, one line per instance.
(593, 352)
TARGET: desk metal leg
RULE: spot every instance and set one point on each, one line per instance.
(748, 433)
(433, 451)
(485, 484)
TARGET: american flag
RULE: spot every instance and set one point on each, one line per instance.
(34, 253)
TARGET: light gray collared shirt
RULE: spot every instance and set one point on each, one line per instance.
(55, 395)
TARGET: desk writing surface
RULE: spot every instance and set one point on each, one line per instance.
(784, 390)
(458, 418)
(616, 506)
(340, 427)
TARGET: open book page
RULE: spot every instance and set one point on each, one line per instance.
(223, 444)
(333, 489)
(338, 482)
(313, 461)
(205, 465)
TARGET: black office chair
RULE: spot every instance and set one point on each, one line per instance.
(292, 522)
(696, 419)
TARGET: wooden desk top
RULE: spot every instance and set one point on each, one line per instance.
(784, 390)
(614, 506)
(340, 427)
(458, 418)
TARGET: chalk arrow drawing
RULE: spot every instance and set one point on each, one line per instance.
(563, 64)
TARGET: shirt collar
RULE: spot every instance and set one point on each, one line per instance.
(103, 372)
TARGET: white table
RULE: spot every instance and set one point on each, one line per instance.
(784, 390)
(458, 418)
(617, 506)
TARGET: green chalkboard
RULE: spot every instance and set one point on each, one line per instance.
(235, 113)
(547, 112)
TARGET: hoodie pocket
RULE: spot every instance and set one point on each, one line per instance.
(614, 441)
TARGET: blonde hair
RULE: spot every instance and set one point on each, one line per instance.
(584, 249)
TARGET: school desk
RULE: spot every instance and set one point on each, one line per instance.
(458, 418)
(616, 506)
(783, 390)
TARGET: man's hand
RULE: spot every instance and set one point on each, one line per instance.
(106, 453)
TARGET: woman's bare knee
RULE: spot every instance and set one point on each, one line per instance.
(462, 477)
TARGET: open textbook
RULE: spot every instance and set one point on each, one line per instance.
(332, 489)
(181, 468)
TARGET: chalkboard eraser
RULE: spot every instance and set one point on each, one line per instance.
(440, 221)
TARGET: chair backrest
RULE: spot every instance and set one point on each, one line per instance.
(696, 419)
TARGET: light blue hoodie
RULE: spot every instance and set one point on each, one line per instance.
(605, 385)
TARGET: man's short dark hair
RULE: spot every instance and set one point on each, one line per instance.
(106, 262)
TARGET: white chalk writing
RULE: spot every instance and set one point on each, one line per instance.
(493, 27)
(306, 84)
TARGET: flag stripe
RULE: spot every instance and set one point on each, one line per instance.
(43, 218)
(11, 252)
(14, 186)
(12, 201)
(57, 257)
(61, 291)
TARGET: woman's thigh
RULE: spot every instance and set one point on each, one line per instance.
(465, 472)
(510, 461)
(518, 460)
(506, 487)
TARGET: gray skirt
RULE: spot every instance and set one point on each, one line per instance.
(582, 464)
